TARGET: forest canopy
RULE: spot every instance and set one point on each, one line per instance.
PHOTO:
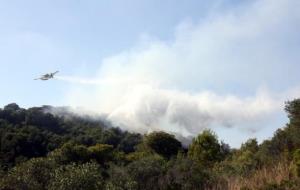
(43, 149)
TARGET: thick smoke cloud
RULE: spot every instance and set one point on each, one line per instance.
(156, 109)
(180, 85)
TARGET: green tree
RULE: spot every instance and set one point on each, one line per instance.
(69, 153)
(101, 153)
(77, 177)
(293, 128)
(250, 145)
(31, 175)
(246, 162)
(205, 148)
(147, 172)
(297, 161)
(293, 110)
(163, 143)
(20, 144)
(129, 142)
(124, 180)
(38, 117)
(185, 174)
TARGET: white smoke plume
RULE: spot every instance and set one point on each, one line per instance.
(156, 109)
(80, 80)
(165, 85)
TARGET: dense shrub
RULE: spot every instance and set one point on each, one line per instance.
(51, 148)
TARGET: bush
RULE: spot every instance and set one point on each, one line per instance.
(163, 143)
(297, 161)
(205, 149)
(147, 171)
(77, 177)
(32, 175)
(124, 180)
(186, 174)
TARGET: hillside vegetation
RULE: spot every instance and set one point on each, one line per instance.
(51, 148)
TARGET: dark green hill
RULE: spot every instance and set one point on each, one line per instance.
(52, 148)
(34, 132)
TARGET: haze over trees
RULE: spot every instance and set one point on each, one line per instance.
(51, 148)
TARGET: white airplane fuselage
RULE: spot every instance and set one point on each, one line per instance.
(47, 76)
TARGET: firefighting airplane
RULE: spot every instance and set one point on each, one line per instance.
(47, 76)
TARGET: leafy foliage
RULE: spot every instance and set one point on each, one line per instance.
(33, 174)
(50, 148)
(205, 149)
(163, 143)
(297, 161)
(82, 177)
(184, 173)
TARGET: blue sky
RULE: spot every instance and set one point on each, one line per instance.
(180, 66)
(43, 36)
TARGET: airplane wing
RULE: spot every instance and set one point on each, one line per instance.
(41, 78)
